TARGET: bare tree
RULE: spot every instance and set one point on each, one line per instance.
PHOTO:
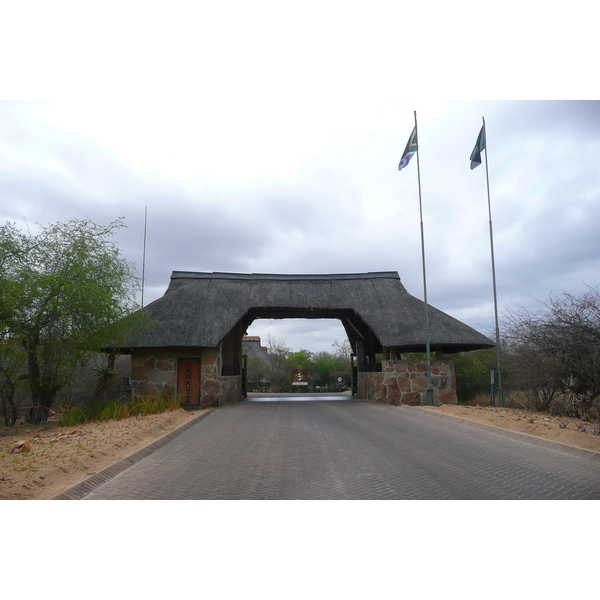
(278, 352)
(342, 349)
(559, 343)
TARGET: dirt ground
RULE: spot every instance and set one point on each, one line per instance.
(60, 457)
(539, 424)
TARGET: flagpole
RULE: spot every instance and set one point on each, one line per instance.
(144, 253)
(498, 351)
(429, 400)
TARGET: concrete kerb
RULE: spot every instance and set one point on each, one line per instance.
(80, 490)
(515, 435)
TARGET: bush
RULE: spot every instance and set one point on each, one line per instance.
(556, 344)
(473, 373)
(106, 410)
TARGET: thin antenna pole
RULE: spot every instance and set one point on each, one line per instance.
(427, 347)
(144, 254)
(498, 351)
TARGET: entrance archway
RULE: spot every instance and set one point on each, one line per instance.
(276, 349)
(206, 315)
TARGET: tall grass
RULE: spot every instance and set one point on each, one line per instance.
(105, 410)
(484, 399)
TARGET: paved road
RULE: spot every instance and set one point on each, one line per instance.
(347, 449)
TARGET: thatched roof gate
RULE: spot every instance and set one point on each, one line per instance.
(202, 309)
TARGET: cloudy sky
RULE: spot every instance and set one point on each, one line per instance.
(267, 140)
(265, 136)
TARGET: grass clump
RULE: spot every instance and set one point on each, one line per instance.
(104, 410)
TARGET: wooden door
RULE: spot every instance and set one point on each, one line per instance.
(188, 381)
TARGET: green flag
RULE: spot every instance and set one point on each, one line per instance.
(479, 147)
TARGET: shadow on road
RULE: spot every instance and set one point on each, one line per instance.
(300, 397)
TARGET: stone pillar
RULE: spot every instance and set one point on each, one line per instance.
(210, 374)
(216, 388)
(405, 382)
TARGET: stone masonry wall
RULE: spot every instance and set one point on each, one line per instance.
(217, 389)
(154, 372)
(405, 382)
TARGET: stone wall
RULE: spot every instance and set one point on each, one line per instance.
(405, 382)
(154, 372)
(217, 389)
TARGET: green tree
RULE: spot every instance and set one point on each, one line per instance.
(473, 372)
(12, 356)
(324, 368)
(12, 364)
(300, 360)
(258, 373)
(65, 291)
(327, 367)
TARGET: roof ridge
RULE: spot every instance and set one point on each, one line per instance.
(283, 277)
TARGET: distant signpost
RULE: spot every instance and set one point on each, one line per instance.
(299, 376)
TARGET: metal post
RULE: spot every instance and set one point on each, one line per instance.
(144, 254)
(429, 400)
(498, 351)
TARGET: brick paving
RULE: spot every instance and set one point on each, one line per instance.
(351, 450)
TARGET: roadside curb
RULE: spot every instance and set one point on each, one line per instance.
(517, 436)
(78, 491)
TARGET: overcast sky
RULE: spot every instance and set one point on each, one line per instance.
(267, 140)
(265, 136)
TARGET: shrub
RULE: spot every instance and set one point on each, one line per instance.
(106, 410)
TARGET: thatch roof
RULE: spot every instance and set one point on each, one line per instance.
(200, 309)
(252, 349)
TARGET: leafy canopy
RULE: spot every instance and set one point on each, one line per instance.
(65, 292)
(66, 282)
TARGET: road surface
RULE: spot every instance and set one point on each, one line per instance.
(342, 448)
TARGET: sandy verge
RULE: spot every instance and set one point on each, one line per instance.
(60, 457)
(539, 424)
